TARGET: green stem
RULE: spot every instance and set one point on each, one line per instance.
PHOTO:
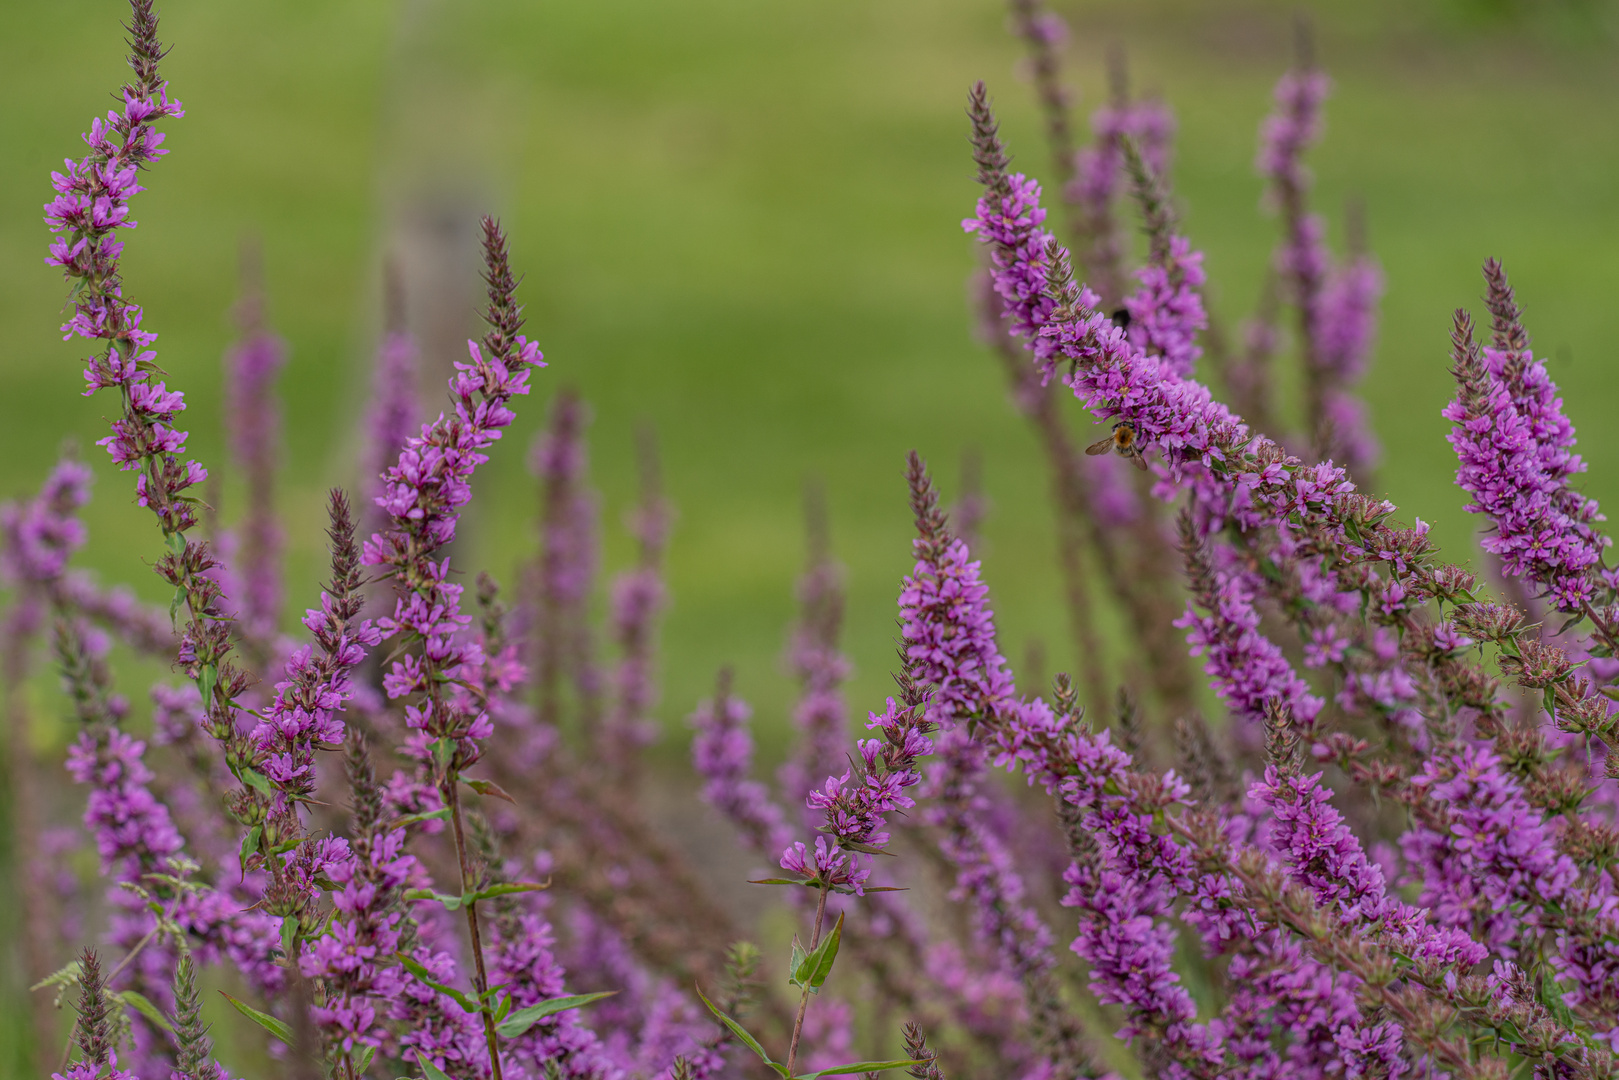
(803, 1001)
(480, 979)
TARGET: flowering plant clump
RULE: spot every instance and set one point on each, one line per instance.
(403, 837)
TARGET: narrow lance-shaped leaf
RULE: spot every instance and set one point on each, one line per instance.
(264, 1020)
(520, 1021)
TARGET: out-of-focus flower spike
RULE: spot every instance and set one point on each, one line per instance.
(638, 598)
(821, 713)
(395, 411)
(1348, 328)
(1100, 177)
(1044, 33)
(252, 366)
(1166, 310)
(722, 754)
(559, 646)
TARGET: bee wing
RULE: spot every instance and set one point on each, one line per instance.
(1100, 446)
(1136, 459)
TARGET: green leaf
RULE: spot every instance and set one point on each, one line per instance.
(863, 1067)
(790, 880)
(256, 780)
(742, 1033)
(443, 750)
(812, 971)
(795, 965)
(504, 888)
(523, 1019)
(68, 973)
(176, 542)
(451, 903)
(289, 935)
(250, 844)
(441, 814)
(141, 1004)
(423, 975)
(264, 1020)
(207, 679)
(503, 1008)
(1551, 995)
(488, 787)
(433, 1071)
(362, 1059)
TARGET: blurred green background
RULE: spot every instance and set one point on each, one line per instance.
(740, 221)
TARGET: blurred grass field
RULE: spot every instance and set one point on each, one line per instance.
(740, 221)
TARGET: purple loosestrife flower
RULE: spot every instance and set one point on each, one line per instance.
(305, 716)
(447, 671)
(1247, 669)
(522, 960)
(1292, 128)
(394, 413)
(91, 204)
(1336, 306)
(821, 714)
(722, 752)
(353, 957)
(854, 806)
(42, 534)
(985, 874)
(946, 624)
(1514, 445)
(252, 366)
(1312, 840)
(638, 599)
(559, 636)
(1491, 861)
(1099, 178)
(1348, 325)
(424, 493)
(1166, 312)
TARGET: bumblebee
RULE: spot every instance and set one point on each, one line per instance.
(1124, 441)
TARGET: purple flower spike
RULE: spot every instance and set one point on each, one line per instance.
(92, 202)
(813, 657)
(722, 753)
(42, 534)
(251, 368)
(1514, 447)
(1348, 325)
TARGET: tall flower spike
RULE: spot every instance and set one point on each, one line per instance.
(446, 675)
(1348, 327)
(395, 411)
(91, 204)
(821, 713)
(1514, 447)
(1166, 310)
(1247, 669)
(638, 599)
(306, 716)
(564, 574)
(251, 368)
(194, 1060)
(1100, 178)
(854, 806)
(722, 753)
